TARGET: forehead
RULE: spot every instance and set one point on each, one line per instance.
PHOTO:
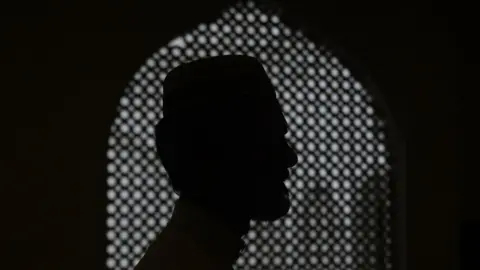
(278, 118)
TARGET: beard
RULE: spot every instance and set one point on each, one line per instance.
(270, 203)
(263, 197)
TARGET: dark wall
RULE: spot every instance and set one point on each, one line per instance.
(63, 71)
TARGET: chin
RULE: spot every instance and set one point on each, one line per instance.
(271, 209)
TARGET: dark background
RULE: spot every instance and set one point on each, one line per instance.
(65, 65)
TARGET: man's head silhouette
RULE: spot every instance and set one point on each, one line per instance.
(222, 137)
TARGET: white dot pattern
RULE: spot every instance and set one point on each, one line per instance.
(340, 208)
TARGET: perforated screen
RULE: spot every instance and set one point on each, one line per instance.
(340, 208)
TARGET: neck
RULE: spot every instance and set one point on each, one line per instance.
(220, 235)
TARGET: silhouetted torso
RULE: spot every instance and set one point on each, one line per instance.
(222, 142)
(193, 239)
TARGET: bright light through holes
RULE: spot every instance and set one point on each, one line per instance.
(339, 216)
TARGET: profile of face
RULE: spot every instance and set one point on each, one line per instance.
(265, 158)
(240, 155)
(222, 140)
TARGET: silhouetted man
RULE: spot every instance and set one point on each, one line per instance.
(222, 142)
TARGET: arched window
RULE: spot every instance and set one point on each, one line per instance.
(340, 209)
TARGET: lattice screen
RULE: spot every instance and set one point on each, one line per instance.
(340, 212)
